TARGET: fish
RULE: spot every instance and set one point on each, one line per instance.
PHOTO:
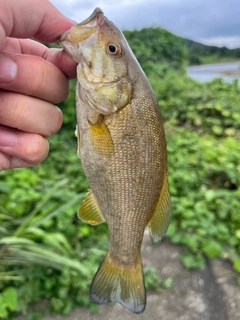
(122, 146)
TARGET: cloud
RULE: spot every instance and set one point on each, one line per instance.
(198, 19)
(231, 42)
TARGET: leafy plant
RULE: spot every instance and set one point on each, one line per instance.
(154, 282)
(204, 185)
(47, 253)
(8, 301)
(44, 243)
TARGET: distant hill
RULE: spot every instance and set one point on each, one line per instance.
(152, 45)
(156, 45)
(199, 53)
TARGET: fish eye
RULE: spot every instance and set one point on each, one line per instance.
(114, 49)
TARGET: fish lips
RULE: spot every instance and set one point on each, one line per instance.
(71, 39)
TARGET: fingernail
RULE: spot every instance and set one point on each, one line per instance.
(7, 138)
(8, 69)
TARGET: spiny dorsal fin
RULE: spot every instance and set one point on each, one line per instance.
(159, 222)
(89, 211)
(120, 283)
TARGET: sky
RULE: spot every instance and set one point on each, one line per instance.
(212, 22)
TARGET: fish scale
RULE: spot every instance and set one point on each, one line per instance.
(123, 153)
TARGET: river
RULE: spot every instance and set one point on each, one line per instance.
(229, 71)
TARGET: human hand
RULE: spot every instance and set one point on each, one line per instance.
(32, 79)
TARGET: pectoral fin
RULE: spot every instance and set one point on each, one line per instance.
(77, 133)
(159, 222)
(89, 211)
(100, 137)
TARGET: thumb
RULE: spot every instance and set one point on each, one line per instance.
(35, 18)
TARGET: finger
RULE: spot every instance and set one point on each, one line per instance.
(58, 57)
(28, 150)
(9, 162)
(36, 77)
(63, 61)
(22, 19)
(29, 114)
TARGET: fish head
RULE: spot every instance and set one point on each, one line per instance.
(99, 45)
(101, 51)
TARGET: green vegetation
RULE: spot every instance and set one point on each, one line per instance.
(46, 253)
(199, 53)
(153, 46)
(154, 282)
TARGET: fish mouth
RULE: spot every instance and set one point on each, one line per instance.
(84, 29)
(96, 12)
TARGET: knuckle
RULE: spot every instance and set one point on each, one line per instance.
(56, 123)
(62, 88)
(37, 150)
(65, 92)
(40, 77)
(5, 161)
(50, 83)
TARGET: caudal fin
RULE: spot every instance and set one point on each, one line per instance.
(119, 283)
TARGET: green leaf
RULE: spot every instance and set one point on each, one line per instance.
(212, 249)
(36, 254)
(152, 279)
(15, 241)
(210, 195)
(236, 265)
(59, 209)
(30, 218)
(217, 130)
(3, 310)
(168, 282)
(191, 260)
(237, 233)
(10, 298)
(58, 241)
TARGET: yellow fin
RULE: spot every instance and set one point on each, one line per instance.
(89, 211)
(159, 222)
(100, 138)
(77, 133)
(119, 283)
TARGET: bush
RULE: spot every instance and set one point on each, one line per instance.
(204, 179)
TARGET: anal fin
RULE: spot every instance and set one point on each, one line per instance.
(89, 211)
(159, 222)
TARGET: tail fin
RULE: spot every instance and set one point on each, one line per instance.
(119, 283)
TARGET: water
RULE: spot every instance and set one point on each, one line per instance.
(228, 71)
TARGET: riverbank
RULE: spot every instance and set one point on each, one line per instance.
(229, 71)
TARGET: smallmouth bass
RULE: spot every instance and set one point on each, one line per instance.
(122, 146)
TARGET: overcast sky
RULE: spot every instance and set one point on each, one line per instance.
(213, 22)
